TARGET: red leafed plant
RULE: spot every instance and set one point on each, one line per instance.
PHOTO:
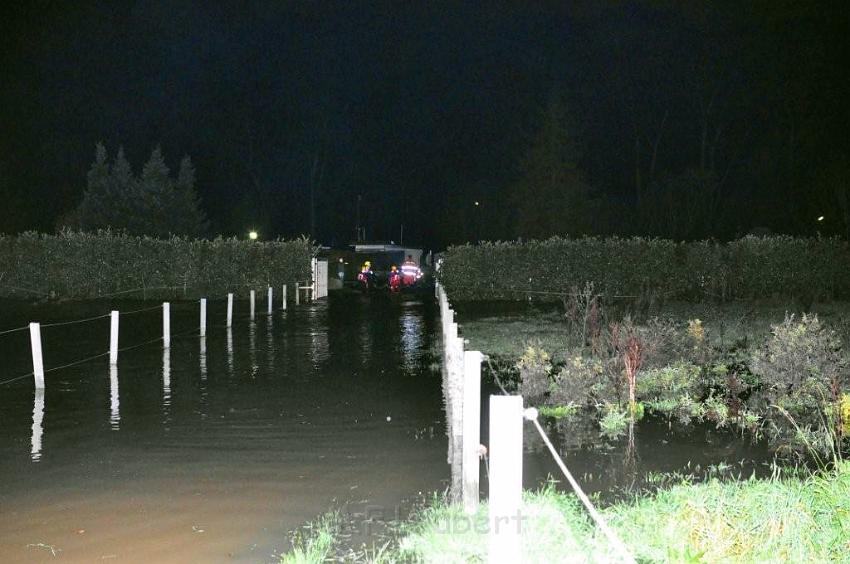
(632, 359)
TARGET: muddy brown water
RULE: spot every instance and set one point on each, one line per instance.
(215, 456)
(215, 450)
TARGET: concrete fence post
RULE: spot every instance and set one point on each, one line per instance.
(166, 325)
(298, 293)
(229, 310)
(203, 317)
(253, 299)
(284, 297)
(471, 429)
(37, 359)
(456, 414)
(506, 520)
(113, 338)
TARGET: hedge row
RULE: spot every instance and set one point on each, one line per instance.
(91, 265)
(748, 268)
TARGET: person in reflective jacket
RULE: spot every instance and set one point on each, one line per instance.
(394, 279)
(410, 272)
(366, 275)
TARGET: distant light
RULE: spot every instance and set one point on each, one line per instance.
(820, 218)
(476, 202)
(252, 235)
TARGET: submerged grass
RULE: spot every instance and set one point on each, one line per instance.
(315, 541)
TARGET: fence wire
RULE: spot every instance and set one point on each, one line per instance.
(594, 514)
(63, 323)
(15, 330)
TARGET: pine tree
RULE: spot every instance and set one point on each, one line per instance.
(152, 204)
(92, 212)
(551, 196)
(193, 219)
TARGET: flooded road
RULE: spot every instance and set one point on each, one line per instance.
(213, 450)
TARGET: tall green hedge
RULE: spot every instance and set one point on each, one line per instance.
(748, 268)
(91, 265)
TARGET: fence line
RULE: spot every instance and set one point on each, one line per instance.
(113, 349)
(461, 391)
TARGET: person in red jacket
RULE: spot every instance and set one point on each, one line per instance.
(410, 272)
(394, 279)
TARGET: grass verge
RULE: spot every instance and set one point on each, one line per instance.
(787, 520)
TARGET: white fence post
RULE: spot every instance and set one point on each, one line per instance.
(253, 302)
(203, 317)
(270, 301)
(506, 520)
(230, 310)
(37, 360)
(166, 325)
(298, 293)
(113, 338)
(284, 297)
(471, 429)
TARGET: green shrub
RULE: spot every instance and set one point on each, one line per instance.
(534, 368)
(90, 265)
(803, 371)
(669, 383)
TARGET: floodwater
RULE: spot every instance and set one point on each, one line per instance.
(213, 450)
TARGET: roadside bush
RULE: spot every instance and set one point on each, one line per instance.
(81, 265)
(534, 368)
(582, 382)
(803, 370)
(650, 270)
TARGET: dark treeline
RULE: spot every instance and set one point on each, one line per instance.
(681, 120)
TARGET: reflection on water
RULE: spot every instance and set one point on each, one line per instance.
(114, 402)
(202, 358)
(37, 420)
(411, 323)
(648, 448)
(252, 347)
(270, 340)
(318, 337)
(230, 351)
(166, 383)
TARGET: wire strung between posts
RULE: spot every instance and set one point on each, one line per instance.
(84, 360)
(144, 309)
(142, 289)
(16, 379)
(61, 323)
(7, 331)
(612, 536)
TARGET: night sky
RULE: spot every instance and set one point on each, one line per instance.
(423, 108)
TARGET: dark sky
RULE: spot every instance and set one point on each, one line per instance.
(419, 106)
